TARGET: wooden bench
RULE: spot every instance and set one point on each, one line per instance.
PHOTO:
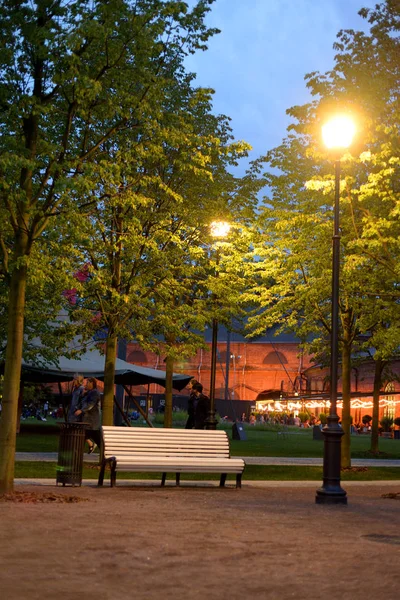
(138, 449)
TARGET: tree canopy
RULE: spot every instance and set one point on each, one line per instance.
(297, 217)
(73, 78)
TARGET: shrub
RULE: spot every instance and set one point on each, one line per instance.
(179, 417)
(386, 423)
(323, 418)
(397, 421)
(304, 416)
(366, 419)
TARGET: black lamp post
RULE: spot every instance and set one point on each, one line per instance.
(338, 134)
(219, 229)
(211, 421)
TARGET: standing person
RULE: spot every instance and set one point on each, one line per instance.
(89, 411)
(191, 404)
(45, 409)
(77, 392)
(202, 407)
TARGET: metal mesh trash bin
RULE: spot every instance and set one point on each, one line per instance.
(70, 453)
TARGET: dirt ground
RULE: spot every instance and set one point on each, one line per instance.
(200, 542)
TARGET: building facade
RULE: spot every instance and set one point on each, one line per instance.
(272, 373)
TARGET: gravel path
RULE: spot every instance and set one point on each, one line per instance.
(200, 542)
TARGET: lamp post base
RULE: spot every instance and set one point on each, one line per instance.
(325, 496)
(211, 422)
(331, 492)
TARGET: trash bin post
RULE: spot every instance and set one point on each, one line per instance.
(317, 433)
(70, 453)
(238, 432)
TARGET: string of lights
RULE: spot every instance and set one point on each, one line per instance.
(356, 403)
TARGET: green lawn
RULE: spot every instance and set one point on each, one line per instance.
(300, 444)
(260, 442)
(48, 470)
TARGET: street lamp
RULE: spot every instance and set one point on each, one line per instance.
(218, 230)
(337, 135)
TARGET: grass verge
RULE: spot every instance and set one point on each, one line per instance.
(47, 470)
(260, 442)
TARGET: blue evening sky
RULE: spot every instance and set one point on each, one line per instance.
(257, 64)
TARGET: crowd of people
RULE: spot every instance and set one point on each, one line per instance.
(292, 419)
(36, 411)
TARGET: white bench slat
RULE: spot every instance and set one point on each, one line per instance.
(162, 451)
(159, 442)
(172, 464)
(185, 460)
(178, 468)
(160, 431)
(160, 455)
(178, 448)
(166, 443)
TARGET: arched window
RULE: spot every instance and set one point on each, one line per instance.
(275, 358)
(137, 357)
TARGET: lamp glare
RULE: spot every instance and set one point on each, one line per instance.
(219, 229)
(338, 132)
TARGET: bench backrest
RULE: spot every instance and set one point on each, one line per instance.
(137, 441)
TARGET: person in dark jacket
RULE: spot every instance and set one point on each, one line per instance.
(89, 410)
(202, 407)
(191, 404)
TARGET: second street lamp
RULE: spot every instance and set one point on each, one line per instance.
(218, 230)
(337, 134)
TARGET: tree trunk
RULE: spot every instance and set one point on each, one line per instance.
(379, 366)
(109, 374)
(346, 397)
(12, 376)
(112, 340)
(169, 367)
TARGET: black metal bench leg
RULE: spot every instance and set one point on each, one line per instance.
(239, 480)
(222, 480)
(113, 477)
(178, 478)
(101, 474)
(163, 478)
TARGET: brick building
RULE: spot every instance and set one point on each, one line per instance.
(271, 372)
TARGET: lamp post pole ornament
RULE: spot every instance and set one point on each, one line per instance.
(337, 134)
(218, 229)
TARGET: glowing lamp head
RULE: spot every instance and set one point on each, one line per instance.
(338, 132)
(219, 229)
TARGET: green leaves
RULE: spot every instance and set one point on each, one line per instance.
(297, 218)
